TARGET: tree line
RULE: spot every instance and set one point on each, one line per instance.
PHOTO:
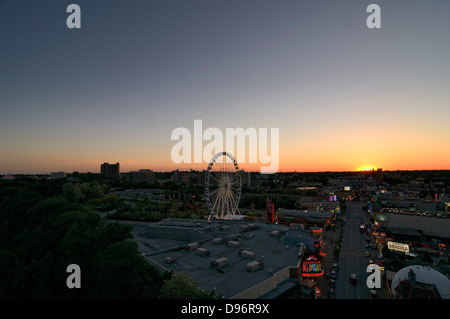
(47, 225)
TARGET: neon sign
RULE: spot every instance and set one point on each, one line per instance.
(312, 267)
(332, 198)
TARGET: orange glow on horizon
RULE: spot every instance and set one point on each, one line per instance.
(313, 155)
(366, 168)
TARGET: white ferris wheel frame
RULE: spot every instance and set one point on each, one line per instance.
(222, 186)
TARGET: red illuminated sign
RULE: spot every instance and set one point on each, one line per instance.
(312, 267)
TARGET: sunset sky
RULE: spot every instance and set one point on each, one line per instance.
(344, 97)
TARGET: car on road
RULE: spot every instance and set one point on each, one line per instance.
(335, 267)
(331, 294)
(362, 227)
(353, 279)
(333, 274)
(332, 283)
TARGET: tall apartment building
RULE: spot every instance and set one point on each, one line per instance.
(109, 170)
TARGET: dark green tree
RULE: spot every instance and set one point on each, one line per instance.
(124, 273)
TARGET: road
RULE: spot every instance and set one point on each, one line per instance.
(351, 258)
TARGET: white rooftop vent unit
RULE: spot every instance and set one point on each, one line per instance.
(219, 263)
(233, 243)
(191, 246)
(254, 265)
(217, 241)
(275, 233)
(246, 254)
(202, 251)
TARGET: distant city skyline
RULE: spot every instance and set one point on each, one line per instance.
(201, 168)
(343, 96)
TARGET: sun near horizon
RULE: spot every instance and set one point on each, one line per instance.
(366, 168)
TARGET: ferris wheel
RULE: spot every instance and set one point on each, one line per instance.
(222, 186)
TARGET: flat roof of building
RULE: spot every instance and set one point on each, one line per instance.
(404, 231)
(263, 240)
(306, 213)
(432, 226)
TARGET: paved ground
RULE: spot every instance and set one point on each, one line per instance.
(327, 263)
(352, 258)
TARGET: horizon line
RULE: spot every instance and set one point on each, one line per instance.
(252, 171)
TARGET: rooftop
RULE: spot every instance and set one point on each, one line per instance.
(166, 241)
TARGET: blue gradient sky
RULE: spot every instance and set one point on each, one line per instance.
(343, 96)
